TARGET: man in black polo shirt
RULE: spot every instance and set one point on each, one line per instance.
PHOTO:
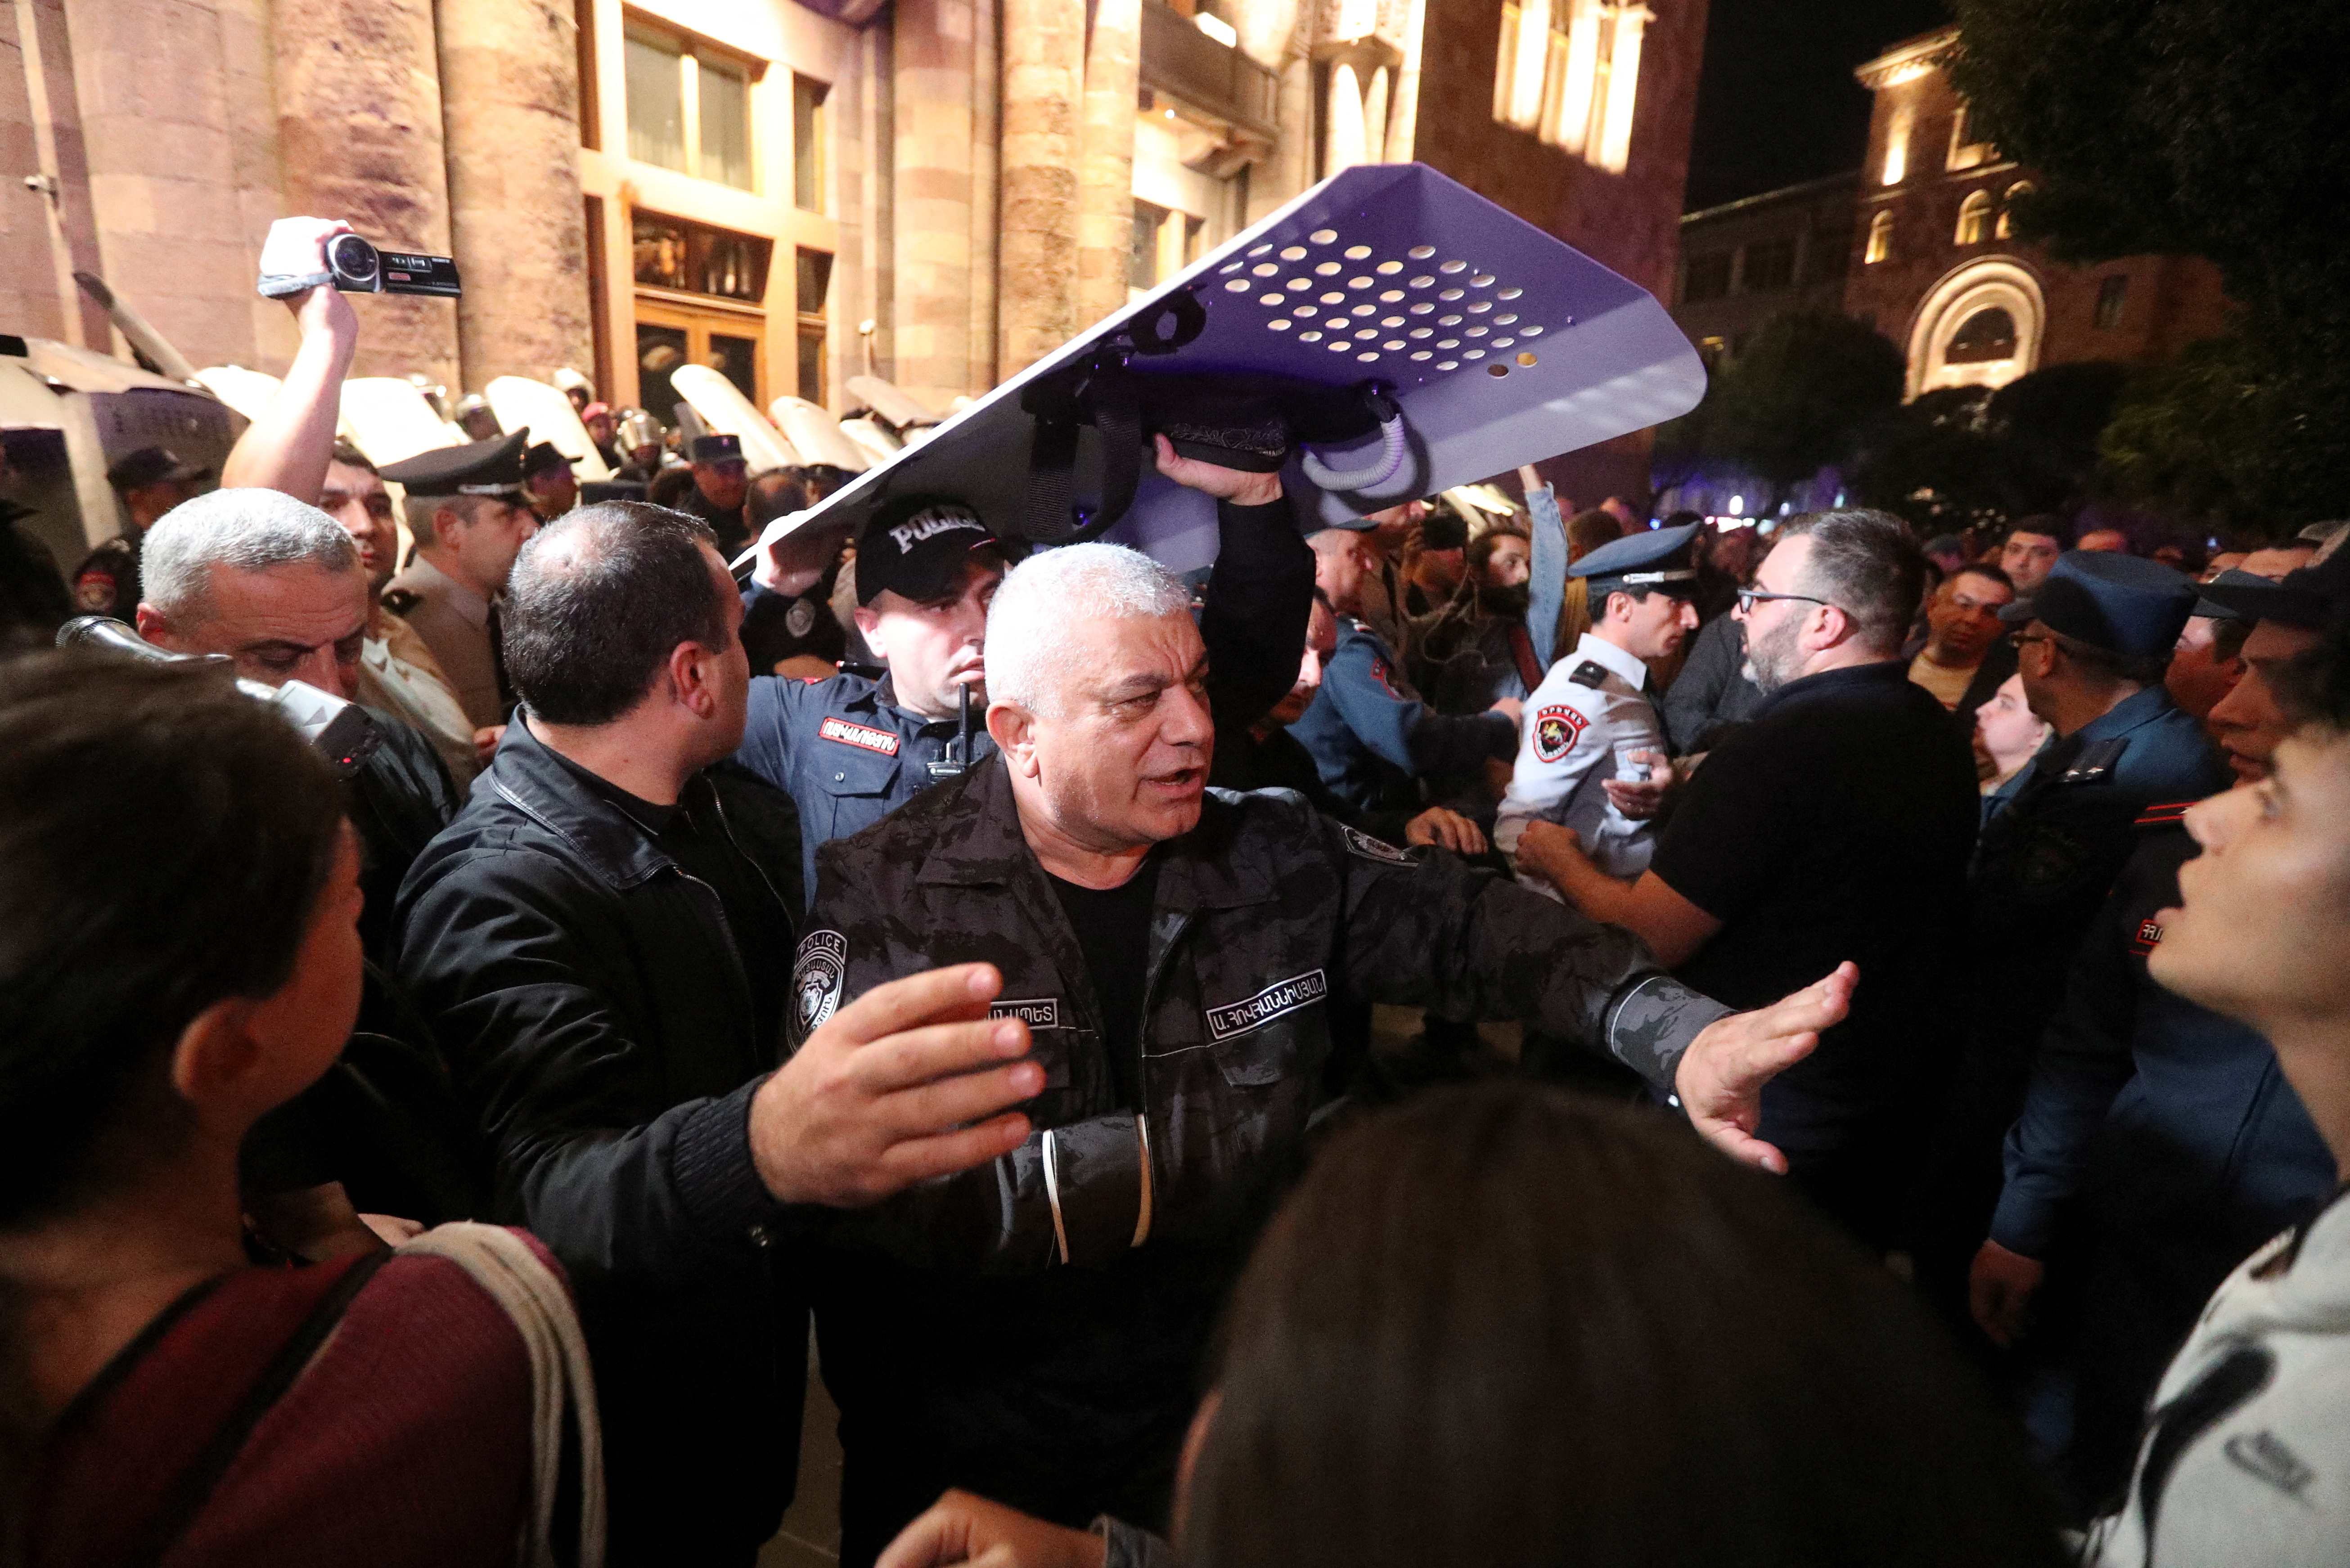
(1834, 826)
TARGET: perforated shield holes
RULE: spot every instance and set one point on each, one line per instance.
(1323, 236)
(1481, 280)
(1526, 359)
(1237, 285)
(1389, 268)
(1452, 267)
(1497, 372)
(1292, 253)
(1356, 253)
(1421, 252)
(1328, 269)
(1273, 299)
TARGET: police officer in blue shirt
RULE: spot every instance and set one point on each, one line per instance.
(849, 749)
(1372, 739)
(1593, 718)
(2160, 1142)
(2092, 647)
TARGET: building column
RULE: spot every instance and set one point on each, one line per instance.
(1106, 177)
(510, 97)
(1044, 84)
(359, 125)
(931, 42)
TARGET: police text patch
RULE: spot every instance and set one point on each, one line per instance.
(1044, 1013)
(1370, 848)
(1556, 731)
(2150, 935)
(1282, 996)
(820, 970)
(850, 734)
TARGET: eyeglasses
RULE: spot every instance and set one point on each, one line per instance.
(1749, 598)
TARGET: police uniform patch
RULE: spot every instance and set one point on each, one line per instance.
(1370, 848)
(2148, 936)
(1041, 1013)
(2095, 764)
(1282, 996)
(800, 619)
(1591, 673)
(94, 592)
(819, 971)
(1556, 729)
(859, 736)
(1381, 673)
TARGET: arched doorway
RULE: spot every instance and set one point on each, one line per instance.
(1980, 327)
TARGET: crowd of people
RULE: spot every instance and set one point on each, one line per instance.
(1929, 1080)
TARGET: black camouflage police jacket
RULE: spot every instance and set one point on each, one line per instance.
(1263, 913)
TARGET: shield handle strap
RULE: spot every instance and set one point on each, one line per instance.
(1381, 470)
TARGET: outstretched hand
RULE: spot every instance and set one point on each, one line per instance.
(962, 1528)
(910, 1080)
(1721, 1078)
(791, 556)
(1238, 486)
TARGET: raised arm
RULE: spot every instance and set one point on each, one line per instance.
(1261, 593)
(288, 447)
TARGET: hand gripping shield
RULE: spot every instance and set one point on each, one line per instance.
(1386, 335)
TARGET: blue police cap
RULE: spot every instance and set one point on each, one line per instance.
(2305, 598)
(720, 447)
(2124, 604)
(1657, 558)
(492, 467)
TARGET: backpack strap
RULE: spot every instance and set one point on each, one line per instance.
(197, 1480)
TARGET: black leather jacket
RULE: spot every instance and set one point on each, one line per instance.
(601, 1029)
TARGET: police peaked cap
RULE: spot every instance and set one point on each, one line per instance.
(1657, 558)
(2124, 604)
(2307, 596)
(720, 447)
(492, 467)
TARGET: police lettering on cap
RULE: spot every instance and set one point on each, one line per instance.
(492, 467)
(718, 449)
(2123, 603)
(153, 465)
(1660, 558)
(2306, 598)
(915, 548)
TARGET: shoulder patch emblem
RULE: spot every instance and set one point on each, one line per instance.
(94, 592)
(819, 971)
(1386, 678)
(1282, 996)
(1044, 1013)
(800, 619)
(859, 736)
(1556, 729)
(1378, 849)
(2148, 936)
(1591, 673)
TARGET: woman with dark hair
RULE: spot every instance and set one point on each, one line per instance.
(178, 953)
(1499, 1325)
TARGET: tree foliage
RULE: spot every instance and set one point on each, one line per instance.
(1967, 455)
(1797, 399)
(2205, 128)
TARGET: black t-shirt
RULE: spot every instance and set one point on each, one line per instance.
(1113, 927)
(1835, 825)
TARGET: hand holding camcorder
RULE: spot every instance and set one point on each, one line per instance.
(303, 254)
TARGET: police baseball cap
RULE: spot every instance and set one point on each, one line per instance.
(152, 465)
(2307, 596)
(2123, 603)
(718, 449)
(915, 548)
(1659, 558)
(492, 467)
(2233, 577)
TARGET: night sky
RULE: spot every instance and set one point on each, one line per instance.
(1778, 104)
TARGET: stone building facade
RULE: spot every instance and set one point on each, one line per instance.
(794, 192)
(1931, 261)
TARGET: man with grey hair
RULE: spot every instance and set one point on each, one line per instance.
(277, 586)
(1175, 952)
(1834, 825)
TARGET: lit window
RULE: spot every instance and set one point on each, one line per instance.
(1984, 337)
(688, 110)
(813, 282)
(2006, 228)
(807, 145)
(1966, 154)
(2112, 291)
(1880, 238)
(1569, 71)
(1897, 148)
(1974, 218)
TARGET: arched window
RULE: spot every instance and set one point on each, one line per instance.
(2007, 208)
(1974, 218)
(1880, 238)
(1987, 335)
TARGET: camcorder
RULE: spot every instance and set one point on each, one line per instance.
(341, 731)
(360, 268)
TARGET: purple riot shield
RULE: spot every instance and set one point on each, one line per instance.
(1493, 343)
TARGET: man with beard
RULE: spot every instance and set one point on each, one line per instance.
(1591, 720)
(1475, 649)
(1838, 821)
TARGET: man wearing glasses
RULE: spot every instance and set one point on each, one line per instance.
(1833, 825)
